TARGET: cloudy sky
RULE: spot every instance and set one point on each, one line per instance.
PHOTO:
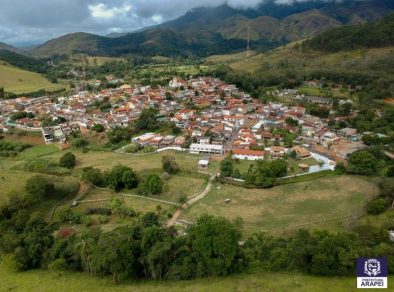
(24, 22)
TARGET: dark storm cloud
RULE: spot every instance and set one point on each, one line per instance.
(40, 20)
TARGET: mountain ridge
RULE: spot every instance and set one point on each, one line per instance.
(223, 29)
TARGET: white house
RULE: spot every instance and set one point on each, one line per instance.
(246, 154)
(206, 148)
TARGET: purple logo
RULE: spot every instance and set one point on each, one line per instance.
(372, 267)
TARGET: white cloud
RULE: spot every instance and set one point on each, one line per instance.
(157, 18)
(103, 12)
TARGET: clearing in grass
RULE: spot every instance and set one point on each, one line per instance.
(288, 207)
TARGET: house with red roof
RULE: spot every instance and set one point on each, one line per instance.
(246, 154)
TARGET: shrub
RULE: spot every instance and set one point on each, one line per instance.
(39, 187)
(121, 177)
(133, 148)
(80, 143)
(100, 211)
(169, 164)
(151, 185)
(98, 128)
(67, 160)
(68, 216)
(93, 176)
(376, 206)
(165, 176)
(103, 219)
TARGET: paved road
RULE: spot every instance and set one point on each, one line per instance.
(191, 201)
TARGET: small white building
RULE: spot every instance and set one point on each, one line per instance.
(246, 154)
(206, 148)
(203, 163)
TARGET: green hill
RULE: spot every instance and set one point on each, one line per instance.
(223, 29)
(19, 81)
(369, 35)
(370, 68)
(69, 44)
(5, 47)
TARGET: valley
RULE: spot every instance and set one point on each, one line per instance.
(236, 146)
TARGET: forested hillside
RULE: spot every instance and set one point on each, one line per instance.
(369, 35)
(23, 62)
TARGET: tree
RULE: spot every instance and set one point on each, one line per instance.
(116, 253)
(149, 219)
(99, 128)
(175, 130)
(67, 160)
(345, 109)
(386, 186)
(151, 185)
(215, 246)
(32, 243)
(39, 187)
(80, 143)
(169, 96)
(226, 166)
(147, 120)
(169, 164)
(121, 177)
(291, 122)
(363, 162)
(93, 176)
(377, 206)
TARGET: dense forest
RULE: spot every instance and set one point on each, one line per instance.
(23, 62)
(369, 35)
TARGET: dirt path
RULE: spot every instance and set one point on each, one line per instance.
(83, 188)
(191, 201)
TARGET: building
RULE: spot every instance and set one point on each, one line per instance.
(206, 148)
(277, 152)
(246, 154)
(47, 135)
(203, 163)
(144, 139)
(301, 152)
(349, 133)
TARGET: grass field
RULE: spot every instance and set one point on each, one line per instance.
(174, 189)
(106, 160)
(16, 80)
(177, 187)
(259, 281)
(137, 204)
(287, 207)
(12, 181)
(39, 150)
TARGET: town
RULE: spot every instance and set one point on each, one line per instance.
(211, 116)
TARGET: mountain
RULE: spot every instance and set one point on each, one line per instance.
(223, 29)
(5, 47)
(72, 43)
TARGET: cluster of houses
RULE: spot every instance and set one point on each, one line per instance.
(216, 117)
